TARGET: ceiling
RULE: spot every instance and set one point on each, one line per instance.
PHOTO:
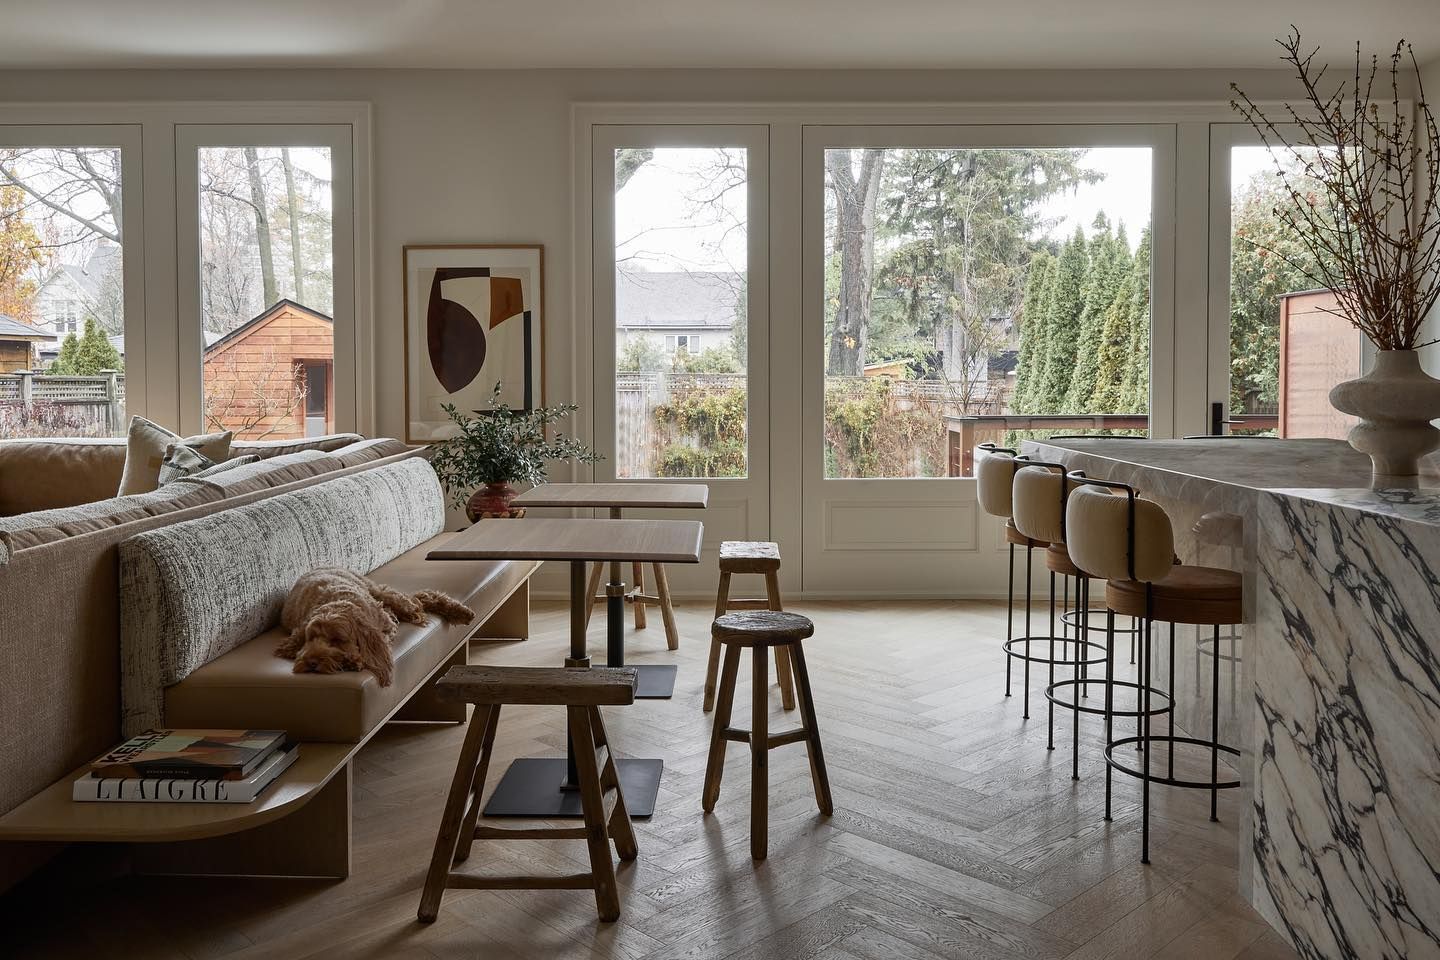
(985, 34)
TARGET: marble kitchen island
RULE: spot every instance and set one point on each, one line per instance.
(1333, 681)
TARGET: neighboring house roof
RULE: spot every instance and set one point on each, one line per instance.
(259, 320)
(15, 330)
(676, 300)
(87, 276)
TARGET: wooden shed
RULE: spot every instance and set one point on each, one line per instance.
(18, 342)
(272, 377)
(1318, 349)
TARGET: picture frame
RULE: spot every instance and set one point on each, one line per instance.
(474, 316)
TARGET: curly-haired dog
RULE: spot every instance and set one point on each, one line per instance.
(340, 620)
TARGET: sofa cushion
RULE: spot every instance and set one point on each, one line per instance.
(195, 590)
(250, 687)
(44, 474)
(44, 526)
(366, 451)
(145, 447)
(279, 448)
(264, 473)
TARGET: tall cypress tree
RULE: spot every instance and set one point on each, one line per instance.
(1108, 270)
(1136, 394)
(1066, 304)
(1030, 364)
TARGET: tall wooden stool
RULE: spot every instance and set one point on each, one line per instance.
(759, 630)
(757, 557)
(581, 692)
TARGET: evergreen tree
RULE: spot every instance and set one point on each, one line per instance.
(87, 355)
(1062, 321)
(64, 362)
(1109, 267)
(1135, 396)
(1031, 360)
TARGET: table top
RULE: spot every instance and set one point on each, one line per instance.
(643, 541)
(676, 496)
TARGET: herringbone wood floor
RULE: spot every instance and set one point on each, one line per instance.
(955, 834)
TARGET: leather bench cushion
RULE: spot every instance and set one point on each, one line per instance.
(250, 687)
(44, 474)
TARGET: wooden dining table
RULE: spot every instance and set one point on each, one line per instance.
(656, 681)
(546, 786)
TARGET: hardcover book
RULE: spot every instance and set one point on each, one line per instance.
(185, 790)
(189, 754)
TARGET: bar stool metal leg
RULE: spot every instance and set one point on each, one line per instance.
(1010, 617)
(1049, 705)
(1145, 652)
(1110, 697)
(1215, 728)
(1025, 679)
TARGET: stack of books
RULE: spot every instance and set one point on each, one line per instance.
(188, 766)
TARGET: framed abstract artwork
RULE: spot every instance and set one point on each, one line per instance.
(474, 316)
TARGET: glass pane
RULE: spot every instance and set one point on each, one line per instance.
(1288, 343)
(680, 346)
(266, 289)
(981, 295)
(62, 303)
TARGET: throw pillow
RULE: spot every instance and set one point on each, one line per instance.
(145, 451)
(182, 461)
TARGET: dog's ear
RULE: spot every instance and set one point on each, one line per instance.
(375, 654)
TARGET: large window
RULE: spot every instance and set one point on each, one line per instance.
(1288, 344)
(977, 295)
(267, 288)
(62, 303)
(681, 246)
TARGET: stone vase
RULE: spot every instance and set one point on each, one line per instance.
(492, 500)
(1395, 402)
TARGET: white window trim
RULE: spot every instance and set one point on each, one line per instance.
(153, 325)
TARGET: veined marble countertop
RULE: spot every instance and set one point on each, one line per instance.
(1321, 471)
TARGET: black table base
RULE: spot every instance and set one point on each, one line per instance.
(534, 787)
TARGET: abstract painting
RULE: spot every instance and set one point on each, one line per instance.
(473, 316)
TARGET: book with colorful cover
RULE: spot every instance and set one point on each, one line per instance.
(189, 754)
(186, 789)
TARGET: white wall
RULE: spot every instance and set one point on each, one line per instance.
(485, 156)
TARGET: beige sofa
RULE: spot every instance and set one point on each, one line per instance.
(60, 608)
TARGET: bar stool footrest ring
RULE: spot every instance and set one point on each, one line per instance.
(1171, 781)
(1020, 654)
(1072, 617)
(1100, 711)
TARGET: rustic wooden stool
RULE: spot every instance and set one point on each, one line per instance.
(758, 557)
(582, 692)
(759, 630)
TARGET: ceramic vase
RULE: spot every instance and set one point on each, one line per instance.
(493, 499)
(1396, 402)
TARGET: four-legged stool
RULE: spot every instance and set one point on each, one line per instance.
(757, 557)
(581, 692)
(759, 630)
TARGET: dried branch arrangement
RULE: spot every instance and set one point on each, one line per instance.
(1364, 187)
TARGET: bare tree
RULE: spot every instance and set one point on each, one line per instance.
(256, 401)
(262, 226)
(856, 193)
(292, 210)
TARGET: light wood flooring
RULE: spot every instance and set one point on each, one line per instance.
(955, 834)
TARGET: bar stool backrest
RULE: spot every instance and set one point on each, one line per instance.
(1112, 537)
(1039, 496)
(995, 475)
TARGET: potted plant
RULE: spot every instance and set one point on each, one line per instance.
(497, 448)
(1365, 202)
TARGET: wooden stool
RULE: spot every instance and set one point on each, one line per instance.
(759, 557)
(759, 630)
(639, 599)
(582, 692)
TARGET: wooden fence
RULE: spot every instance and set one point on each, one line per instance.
(98, 403)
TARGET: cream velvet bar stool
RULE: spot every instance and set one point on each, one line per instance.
(1038, 500)
(995, 478)
(1129, 542)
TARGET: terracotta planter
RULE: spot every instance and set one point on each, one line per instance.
(490, 500)
(1395, 402)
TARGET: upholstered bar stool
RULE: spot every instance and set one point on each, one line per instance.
(995, 479)
(762, 558)
(1129, 542)
(1039, 496)
(760, 630)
